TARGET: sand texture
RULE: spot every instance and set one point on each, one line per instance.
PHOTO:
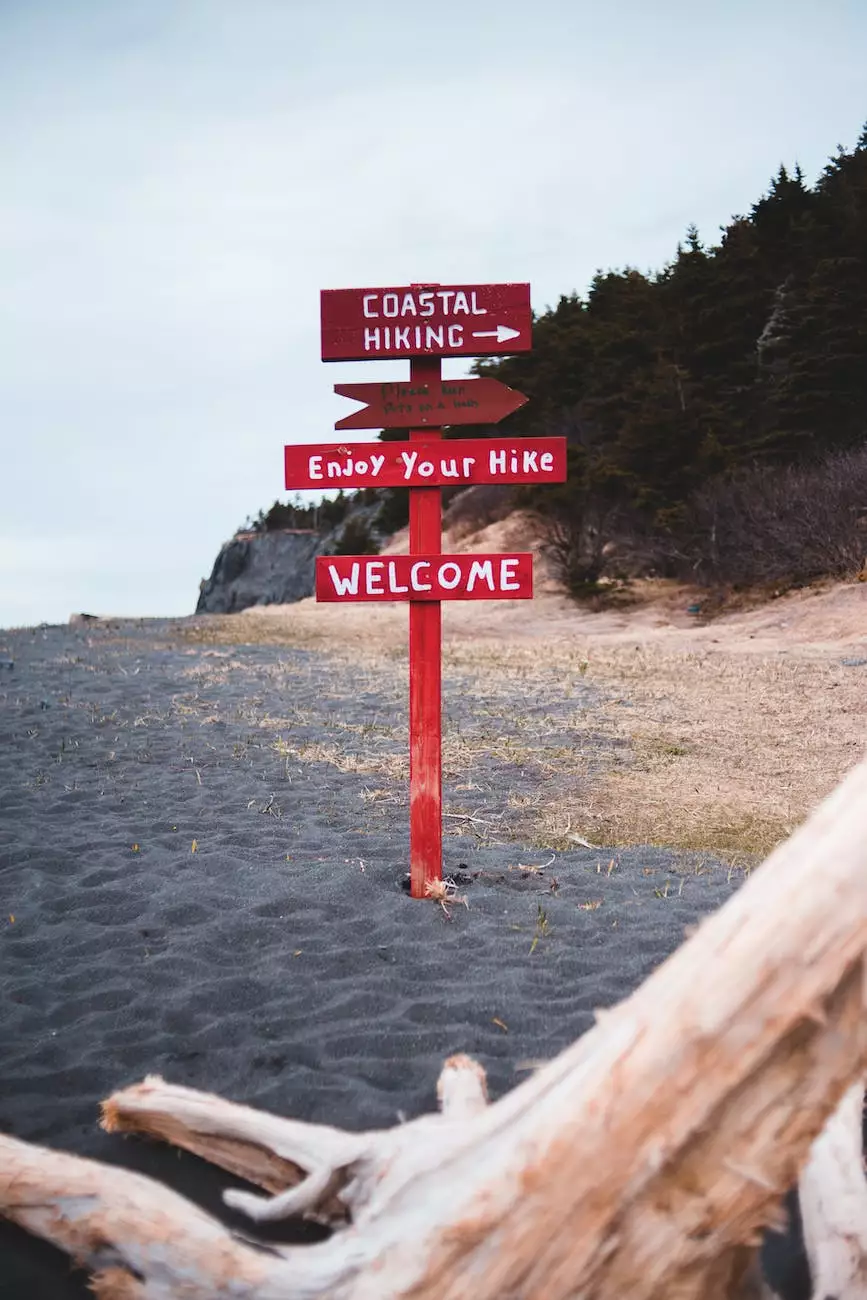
(202, 860)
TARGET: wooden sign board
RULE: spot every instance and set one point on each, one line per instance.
(425, 464)
(351, 578)
(451, 401)
(425, 320)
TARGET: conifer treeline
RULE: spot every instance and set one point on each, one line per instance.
(749, 352)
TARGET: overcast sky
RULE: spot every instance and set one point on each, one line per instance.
(179, 178)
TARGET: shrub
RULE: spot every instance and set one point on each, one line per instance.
(789, 524)
(356, 538)
(324, 516)
(576, 536)
(393, 513)
(331, 512)
(476, 507)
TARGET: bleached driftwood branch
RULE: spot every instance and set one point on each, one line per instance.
(643, 1161)
(141, 1240)
(316, 1170)
(138, 1238)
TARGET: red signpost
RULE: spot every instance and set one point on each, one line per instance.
(426, 322)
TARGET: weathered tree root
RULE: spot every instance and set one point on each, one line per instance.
(139, 1239)
(321, 1172)
(641, 1162)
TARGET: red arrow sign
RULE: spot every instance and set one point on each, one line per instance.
(426, 464)
(424, 577)
(451, 401)
(429, 320)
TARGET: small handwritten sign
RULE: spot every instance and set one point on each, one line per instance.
(424, 577)
(426, 464)
(448, 402)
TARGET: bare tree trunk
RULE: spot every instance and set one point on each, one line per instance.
(642, 1162)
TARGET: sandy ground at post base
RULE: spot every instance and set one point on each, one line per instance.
(202, 855)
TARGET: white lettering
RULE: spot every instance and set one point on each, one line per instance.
(477, 310)
(413, 576)
(361, 467)
(507, 568)
(546, 461)
(314, 467)
(449, 584)
(425, 469)
(444, 295)
(366, 301)
(345, 586)
(393, 585)
(409, 458)
(389, 304)
(496, 462)
(426, 304)
(333, 468)
(433, 336)
(376, 464)
(401, 336)
(482, 570)
(408, 307)
(530, 465)
(456, 336)
(449, 468)
(373, 573)
(469, 462)
(418, 336)
(461, 304)
(371, 338)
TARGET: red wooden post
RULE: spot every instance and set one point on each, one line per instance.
(425, 674)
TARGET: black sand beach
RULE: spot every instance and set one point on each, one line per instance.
(202, 852)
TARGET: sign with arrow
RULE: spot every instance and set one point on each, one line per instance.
(451, 401)
(425, 320)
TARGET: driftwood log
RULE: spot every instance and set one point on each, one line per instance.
(643, 1161)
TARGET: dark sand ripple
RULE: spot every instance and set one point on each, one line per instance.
(180, 896)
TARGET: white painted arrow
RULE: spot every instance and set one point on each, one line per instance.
(502, 333)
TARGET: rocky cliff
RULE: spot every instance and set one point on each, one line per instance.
(269, 568)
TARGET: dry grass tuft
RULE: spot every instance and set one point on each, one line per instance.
(699, 739)
(395, 766)
(723, 752)
(445, 892)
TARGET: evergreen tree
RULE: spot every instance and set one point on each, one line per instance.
(818, 392)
